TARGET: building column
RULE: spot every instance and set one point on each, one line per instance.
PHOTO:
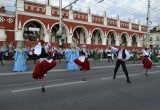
(139, 44)
(3, 35)
(104, 41)
(69, 38)
(129, 42)
(88, 40)
(47, 38)
(117, 42)
(19, 35)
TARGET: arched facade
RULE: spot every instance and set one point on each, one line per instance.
(84, 27)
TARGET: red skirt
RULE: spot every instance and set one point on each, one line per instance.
(41, 68)
(147, 63)
(84, 65)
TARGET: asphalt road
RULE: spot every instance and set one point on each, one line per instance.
(65, 90)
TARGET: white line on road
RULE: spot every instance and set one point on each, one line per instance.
(60, 70)
(72, 83)
(49, 86)
(122, 76)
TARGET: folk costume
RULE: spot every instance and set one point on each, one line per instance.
(147, 63)
(20, 58)
(135, 56)
(71, 55)
(41, 69)
(95, 55)
(122, 56)
(83, 62)
(109, 55)
(154, 55)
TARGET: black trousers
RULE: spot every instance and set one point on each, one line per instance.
(110, 58)
(118, 63)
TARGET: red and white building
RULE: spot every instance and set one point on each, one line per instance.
(32, 19)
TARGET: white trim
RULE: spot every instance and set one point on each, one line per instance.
(3, 14)
(76, 21)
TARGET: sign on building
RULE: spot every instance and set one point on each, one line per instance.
(34, 29)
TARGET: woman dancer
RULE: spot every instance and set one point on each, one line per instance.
(41, 69)
(20, 58)
(147, 64)
(83, 62)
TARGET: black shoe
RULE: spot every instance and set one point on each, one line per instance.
(84, 79)
(146, 74)
(81, 69)
(43, 90)
(128, 81)
(114, 77)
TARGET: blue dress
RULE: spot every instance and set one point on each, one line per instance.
(20, 58)
(71, 55)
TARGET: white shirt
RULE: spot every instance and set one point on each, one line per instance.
(109, 52)
(120, 53)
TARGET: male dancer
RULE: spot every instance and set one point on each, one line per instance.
(122, 56)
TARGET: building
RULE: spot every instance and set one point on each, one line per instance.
(154, 39)
(32, 19)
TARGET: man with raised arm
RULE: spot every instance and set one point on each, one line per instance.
(122, 56)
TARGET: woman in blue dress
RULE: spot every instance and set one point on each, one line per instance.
(71, 55)
(20, 58)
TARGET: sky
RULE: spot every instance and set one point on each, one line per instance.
(135, 9)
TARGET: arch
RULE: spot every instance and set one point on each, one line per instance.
(114, 32)
(44, 27)
(97, 36)
(65, 26)
(84, 29)
(137, 36)
(34, 34)
(80, 33)
(124, 38)
(111, 37)
(135, 39)
(126, 34)
(101, 32)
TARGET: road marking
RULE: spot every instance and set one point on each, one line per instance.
(48, 81)
(122, 76)
(72, 83)
(49, 86)
(60, 70)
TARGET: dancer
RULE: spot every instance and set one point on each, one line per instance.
(95, 55)
(123, 55)
(41, 69)
(147, 64)
(135, 56)
(83, 62)
(20, 58)
(71, 55)
(154, 55)
(109, 54)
